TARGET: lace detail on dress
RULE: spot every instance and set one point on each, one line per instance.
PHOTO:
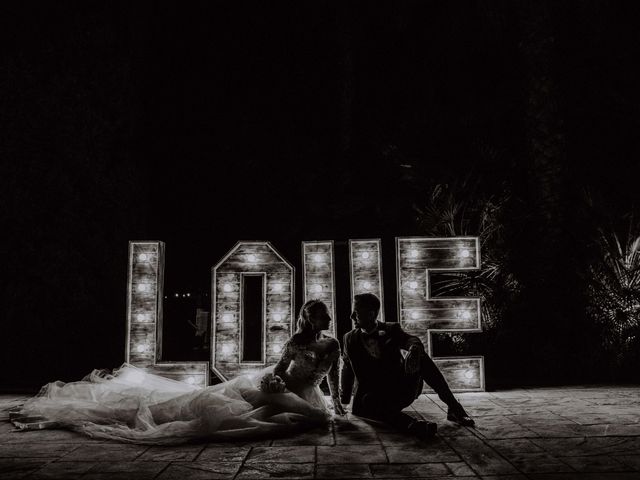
(307, 366)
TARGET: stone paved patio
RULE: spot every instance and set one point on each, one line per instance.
(549, 433)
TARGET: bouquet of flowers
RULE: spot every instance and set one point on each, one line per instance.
(271, 383)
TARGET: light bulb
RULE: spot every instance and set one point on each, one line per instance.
(277, 348)
(277, 287)
(317, 257)
(227, 287)
(141, 348)
(226, 349)
(251, 258)
(415, 315)
(413, 253)
(366, 285)
(190, 380)
(277, 317)
(465, 253)
(177, 295)
(143, 257)
(469, 374)
(364, 255)
(316, 288)
(188, 294)
(227, 317)
(143, 287)
(141, 317)
(413, 285)
(466, 315)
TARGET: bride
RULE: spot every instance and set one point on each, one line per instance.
(132, 405)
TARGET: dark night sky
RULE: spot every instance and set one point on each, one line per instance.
(204, 123)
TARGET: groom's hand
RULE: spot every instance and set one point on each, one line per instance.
(412, 362)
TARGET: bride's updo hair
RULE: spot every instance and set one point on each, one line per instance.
(305, 327)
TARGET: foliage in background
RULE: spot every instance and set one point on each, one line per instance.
(614, 296)
(461, 208)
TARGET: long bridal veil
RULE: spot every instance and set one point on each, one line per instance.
(132, 405)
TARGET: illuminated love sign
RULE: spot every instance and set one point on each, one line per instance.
(258, 263)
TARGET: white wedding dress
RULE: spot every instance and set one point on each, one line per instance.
(132, 405)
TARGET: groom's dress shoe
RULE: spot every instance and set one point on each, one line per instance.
(422, 429)
(459, 416)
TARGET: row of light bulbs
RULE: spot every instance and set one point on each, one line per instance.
(228, 287)
(229, 348)
(276, 317)
(465, 314)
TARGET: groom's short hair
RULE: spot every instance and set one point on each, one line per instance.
(368, 301)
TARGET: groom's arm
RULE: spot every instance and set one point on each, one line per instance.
(347, 376)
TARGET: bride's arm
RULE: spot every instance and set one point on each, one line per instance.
(281, 367)
(333, 379)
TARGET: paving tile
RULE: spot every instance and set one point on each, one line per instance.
(538, 463)
(357, 438)
(19, 467)
(104, 453)
(59, 470)
(571, 447)
(597, 463)
(632, 461)
(281, 471)
(223, 454)
(422, 454)
(351, 454)
(171, 453)
(282, 455)
(481, 457)
(584, 476)
(138, 469)
(34, 450)
(410, 470)
(357, 470)
(200, 471)
(460, 469)
(515, 445)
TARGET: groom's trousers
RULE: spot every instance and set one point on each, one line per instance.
(386, 405)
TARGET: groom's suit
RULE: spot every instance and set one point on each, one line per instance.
(383, 388)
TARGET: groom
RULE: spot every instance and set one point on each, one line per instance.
(387, 382)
